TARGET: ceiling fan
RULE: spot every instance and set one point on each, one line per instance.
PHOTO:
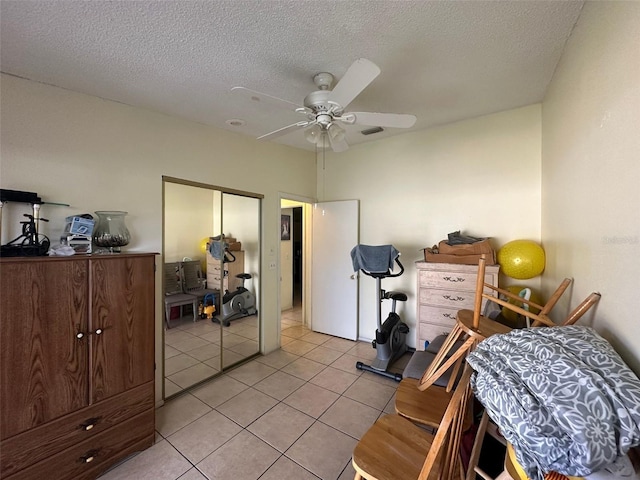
(324, 109)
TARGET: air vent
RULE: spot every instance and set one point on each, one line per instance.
(371, 131)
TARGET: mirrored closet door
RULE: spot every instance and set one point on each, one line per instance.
(211, 266)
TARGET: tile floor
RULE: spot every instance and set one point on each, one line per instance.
(192, 349)
(296, 414)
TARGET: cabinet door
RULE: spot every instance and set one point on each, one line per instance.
(122, 317)
(43, 365)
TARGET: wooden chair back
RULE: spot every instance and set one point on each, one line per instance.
(474, 327)
(446, 443)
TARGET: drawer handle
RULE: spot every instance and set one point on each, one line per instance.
(89, 457)
(89, 424)
(454, 280)
(454, 299)
(79, 335)
(98, 331)
(448, 315)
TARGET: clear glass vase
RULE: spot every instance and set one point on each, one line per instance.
(110, 231)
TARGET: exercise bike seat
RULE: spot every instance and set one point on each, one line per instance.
(244, 276)
(397, 296)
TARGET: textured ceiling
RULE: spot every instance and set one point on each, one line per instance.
(442, 61)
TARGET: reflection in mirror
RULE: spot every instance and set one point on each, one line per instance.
(239, 310)
(203, 333)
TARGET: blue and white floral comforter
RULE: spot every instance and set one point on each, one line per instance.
(561, 396)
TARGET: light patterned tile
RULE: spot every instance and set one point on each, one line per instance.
(252, 372)
(218, 390)
(295, 332)
(333, 379)
(247, 406)
(315, 337)
(192, 375)
(298, 347)
(229, 462)
(285, 469)
(304, 368)
(177, 363)
(350, 417)
(201, 437)
(170, 388)
(311, 399)
(339, 344)
(277, 359)
(159, 462)
(246, 349)
(323, 355)
(189, 344)
(370, 393)
(205, 352)
(281, 426)
(179, 412)
(194, 474)
(322, 450)
(279, 385)
(347, 363)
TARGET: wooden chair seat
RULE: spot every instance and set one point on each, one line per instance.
(392, 436)
(424, 407)
(396, 449)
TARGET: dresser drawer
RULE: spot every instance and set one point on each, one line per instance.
(86, 459)
(447, 298)
(452, 280)
(437, 315)
(30, 447)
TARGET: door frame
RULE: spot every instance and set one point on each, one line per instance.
(307, 204)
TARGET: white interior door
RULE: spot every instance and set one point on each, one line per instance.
(334, 284)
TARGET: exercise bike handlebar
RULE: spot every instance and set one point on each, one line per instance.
(388, 273)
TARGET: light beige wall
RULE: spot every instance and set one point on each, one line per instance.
(96, 154)
(481, 176)
(188, 216)
(591, 170)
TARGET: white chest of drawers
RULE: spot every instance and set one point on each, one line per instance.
(443, 289)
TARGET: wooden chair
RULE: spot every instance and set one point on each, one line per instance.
(512, 469)
(472, 327)
(173, 295)
(424, 407)
(394, 448)
(425, 403)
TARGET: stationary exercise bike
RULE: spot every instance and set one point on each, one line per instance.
(390, 342)
(239, 303)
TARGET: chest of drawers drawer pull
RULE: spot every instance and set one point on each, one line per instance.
(454, 279)
(454, 298)
(89, 457)
(89, 424)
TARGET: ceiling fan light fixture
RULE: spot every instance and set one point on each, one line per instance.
(336, 132)
(313, 133)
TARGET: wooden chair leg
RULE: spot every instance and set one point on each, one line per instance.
(581, 309)
(439, 366)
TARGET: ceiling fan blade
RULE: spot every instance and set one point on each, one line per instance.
(392, 120)
(360, 74)
(264, 98)
(284, 130)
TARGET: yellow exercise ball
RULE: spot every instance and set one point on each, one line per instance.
(521, 259)
(203, 244)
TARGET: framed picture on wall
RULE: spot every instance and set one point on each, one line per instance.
(285, 227)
